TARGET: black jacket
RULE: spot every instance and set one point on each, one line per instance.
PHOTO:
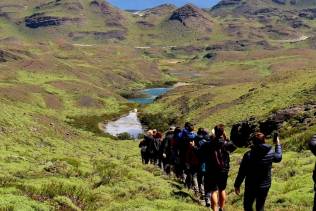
(256, 166)
(312, 146)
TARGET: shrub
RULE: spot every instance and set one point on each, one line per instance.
(124, 136)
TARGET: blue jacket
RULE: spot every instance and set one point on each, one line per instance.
(186, 134)
(256, 166)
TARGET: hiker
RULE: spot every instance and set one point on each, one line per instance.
(201, 138)
(144, 145)
(192, 166)
(153, 148)
(186, 137)
(176, 153)
(255, 168)
(157, 144)
(166, 149)
(216, 155)
(312, 146)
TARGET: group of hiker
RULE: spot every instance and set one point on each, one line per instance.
(202, 161)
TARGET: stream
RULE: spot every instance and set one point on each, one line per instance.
(130, 123)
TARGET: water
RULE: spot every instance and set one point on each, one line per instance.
(128, 124)
(151, 95)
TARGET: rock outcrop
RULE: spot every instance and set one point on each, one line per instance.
(38, 20)
(6, 56)
(114, 34)
(296, 117)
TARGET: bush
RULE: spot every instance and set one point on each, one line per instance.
(124, 136)
(158, 121)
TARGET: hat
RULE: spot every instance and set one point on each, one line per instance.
(172, 128)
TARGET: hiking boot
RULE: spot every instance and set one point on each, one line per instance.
(207, 202)
(221, 209)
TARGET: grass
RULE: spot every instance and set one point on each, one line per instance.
(54, 157)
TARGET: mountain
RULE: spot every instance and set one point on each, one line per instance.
(70, 19)
(192, 17)
(67, 68)
(161, 10)
(278, 19)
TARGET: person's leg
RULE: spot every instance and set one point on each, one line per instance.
(200, 178)
(222, 198)
(249, 199)
(210, 189)
(214, 200)
(222, 183)
(146, 158)
(261, 197)
(195, 183)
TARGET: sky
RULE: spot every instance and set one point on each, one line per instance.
(144, 4)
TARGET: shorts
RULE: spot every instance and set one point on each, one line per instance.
(215, 181)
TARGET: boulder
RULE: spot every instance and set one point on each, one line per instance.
(242, 133)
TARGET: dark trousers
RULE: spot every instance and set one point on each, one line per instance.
(251, 195)
(145, 157)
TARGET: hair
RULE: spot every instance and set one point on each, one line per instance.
(219, 131)
(259, 138)
(177, 130)
(158, 135)
(189, 126)
(201, 131)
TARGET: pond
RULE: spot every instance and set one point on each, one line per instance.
(130, 123)
(150, 95)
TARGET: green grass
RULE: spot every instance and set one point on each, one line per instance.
(58, 159)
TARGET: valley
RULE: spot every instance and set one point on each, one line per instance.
(68, 65)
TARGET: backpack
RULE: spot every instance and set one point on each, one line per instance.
(217, 159)
(220, 155)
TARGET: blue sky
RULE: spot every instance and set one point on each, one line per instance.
(143, 4)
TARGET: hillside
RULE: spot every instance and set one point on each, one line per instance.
(68, 65)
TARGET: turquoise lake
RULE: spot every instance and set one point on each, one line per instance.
(151, 95)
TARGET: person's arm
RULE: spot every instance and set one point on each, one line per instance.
(141, 144)
(230, 147)
(278, 151)
(241, 173)
(314, 175)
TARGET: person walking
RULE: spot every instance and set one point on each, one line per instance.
(166, 150)
(312, 146)
(186, 136)
(144, 146)
(216, 156)
(201, 138)
(255, 169)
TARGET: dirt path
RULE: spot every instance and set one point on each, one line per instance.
(301, 38)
